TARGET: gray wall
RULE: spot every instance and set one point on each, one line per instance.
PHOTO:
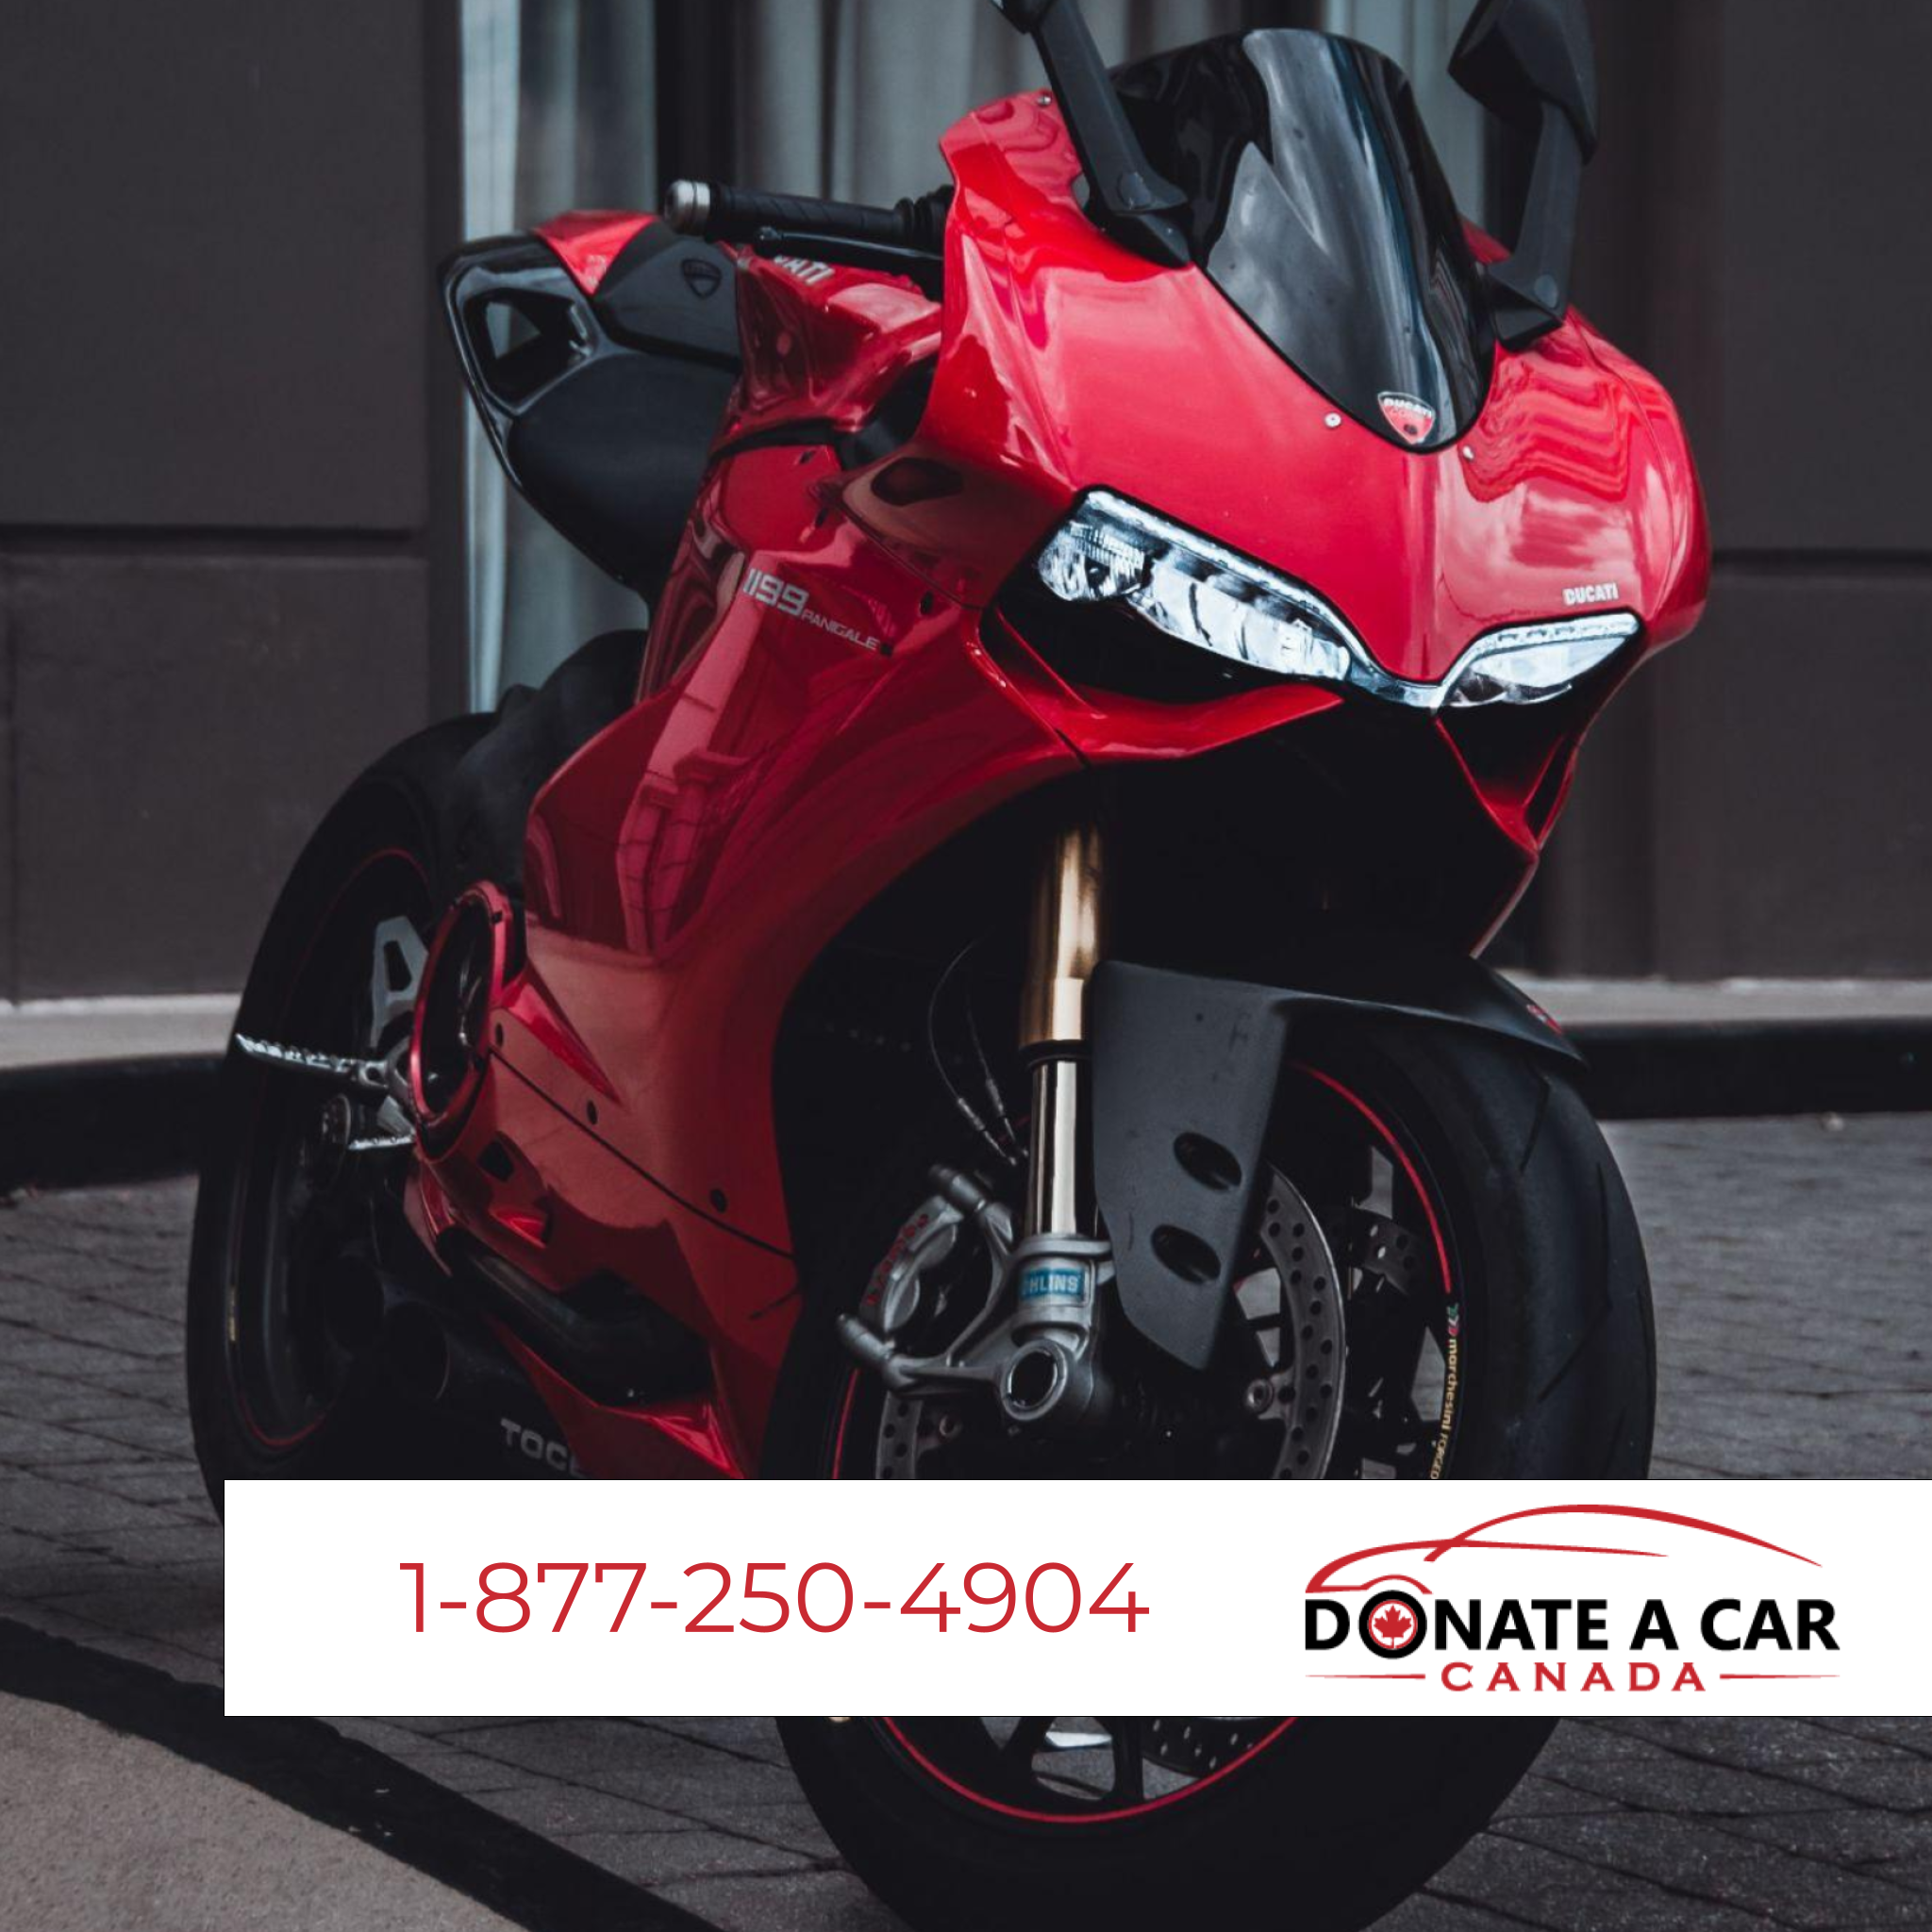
(226, 442)
(230, 507)
(1760, 800)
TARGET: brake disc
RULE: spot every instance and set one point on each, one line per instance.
(1305, 1381)
(908, 1430)
(1197, 1746)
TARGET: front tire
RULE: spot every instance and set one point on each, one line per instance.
(1546, 1370)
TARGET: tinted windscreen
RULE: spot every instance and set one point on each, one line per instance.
(1319, 208)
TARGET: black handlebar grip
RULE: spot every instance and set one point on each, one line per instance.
(719, 213)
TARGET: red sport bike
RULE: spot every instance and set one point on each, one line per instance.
(986, 984)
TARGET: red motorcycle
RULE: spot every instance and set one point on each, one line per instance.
(987, 985)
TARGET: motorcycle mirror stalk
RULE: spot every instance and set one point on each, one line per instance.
(1128, 199)
(1532, 64)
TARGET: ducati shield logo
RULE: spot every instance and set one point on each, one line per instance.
(701, 277)
(1410, 417)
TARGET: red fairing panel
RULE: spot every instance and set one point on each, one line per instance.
(830, 723)
(823, 351)
(571, 1209)
(1070, 363)
(588, 241)
(816, 720)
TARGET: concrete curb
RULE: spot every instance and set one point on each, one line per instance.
(104, 1120)
(119, 1120)
(1746, 1069)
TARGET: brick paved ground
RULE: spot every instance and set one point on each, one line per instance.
(1793, 1291)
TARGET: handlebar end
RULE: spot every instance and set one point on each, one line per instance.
(687, 206)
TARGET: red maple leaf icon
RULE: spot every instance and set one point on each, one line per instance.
(1391, 1625)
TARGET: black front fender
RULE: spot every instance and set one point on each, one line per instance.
(1184, 1071)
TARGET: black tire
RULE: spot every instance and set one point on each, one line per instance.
(1335, 1821)
(380, 852)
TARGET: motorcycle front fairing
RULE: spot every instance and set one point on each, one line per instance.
(1555, 480)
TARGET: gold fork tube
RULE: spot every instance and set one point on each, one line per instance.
(1064, 942)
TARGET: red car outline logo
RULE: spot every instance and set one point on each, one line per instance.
(1474, 1538)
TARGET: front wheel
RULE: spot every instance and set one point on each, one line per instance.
(1458, 1238)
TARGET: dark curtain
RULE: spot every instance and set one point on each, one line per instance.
(560, 109)
(849, 97)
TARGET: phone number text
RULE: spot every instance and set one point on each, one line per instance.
(714, 1600)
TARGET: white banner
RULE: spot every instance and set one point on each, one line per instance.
(959, 1599)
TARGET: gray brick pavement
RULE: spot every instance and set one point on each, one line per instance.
(1792, 1287)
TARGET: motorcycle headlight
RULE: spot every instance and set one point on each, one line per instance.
(1111, 551)
(1536, 662)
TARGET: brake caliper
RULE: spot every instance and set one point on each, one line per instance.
(1031, 1342)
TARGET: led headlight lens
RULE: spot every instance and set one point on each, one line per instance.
(1537, 661)
(1111, 551)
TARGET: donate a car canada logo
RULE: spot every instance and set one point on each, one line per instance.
(1501, 1608)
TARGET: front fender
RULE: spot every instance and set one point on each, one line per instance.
(1184, 1071)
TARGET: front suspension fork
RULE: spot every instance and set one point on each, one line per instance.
(1036, 1346)
(1064, 939)
(1061, 1262)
